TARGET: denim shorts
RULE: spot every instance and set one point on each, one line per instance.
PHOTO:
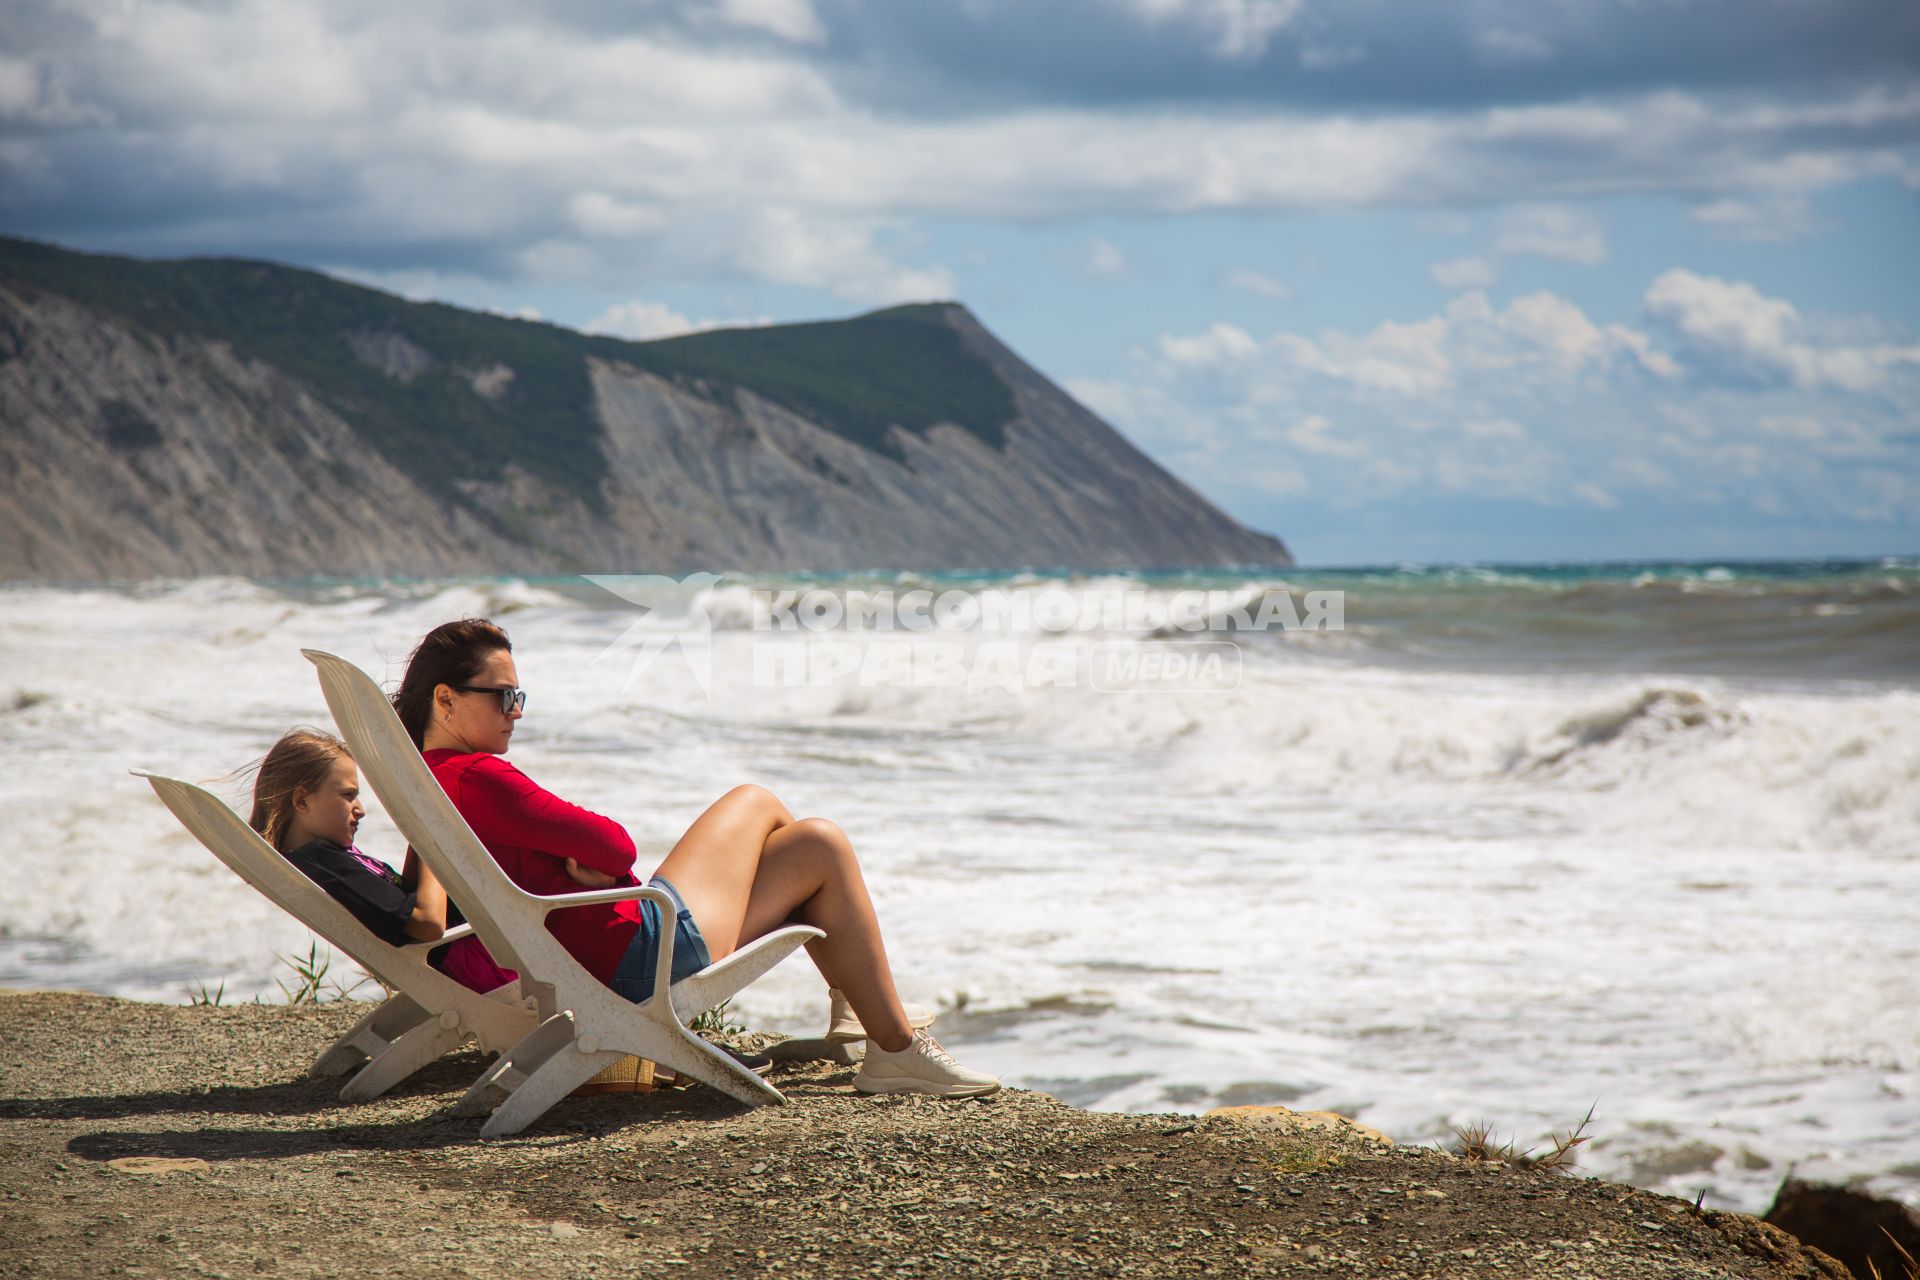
(633, 978)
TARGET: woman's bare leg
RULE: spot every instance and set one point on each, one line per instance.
(810, 875)
(714, 864)
(745, 868)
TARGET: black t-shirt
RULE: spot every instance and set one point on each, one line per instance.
(382, 903)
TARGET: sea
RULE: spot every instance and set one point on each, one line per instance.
(1511, 845)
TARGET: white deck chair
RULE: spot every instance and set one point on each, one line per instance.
(429, 1016)
(585, 1026)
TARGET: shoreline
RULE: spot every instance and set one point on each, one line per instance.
(283, 1179)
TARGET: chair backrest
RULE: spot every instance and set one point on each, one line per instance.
(251, 858)
(493, 904)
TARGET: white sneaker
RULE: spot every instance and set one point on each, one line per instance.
(921, 1067)
(843, 1024)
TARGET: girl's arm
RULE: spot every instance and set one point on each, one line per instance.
(387, 909)
(429, 918)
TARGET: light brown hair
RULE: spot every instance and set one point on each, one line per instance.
(302, 758)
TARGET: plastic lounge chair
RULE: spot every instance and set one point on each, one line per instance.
(430, 1016)
(585, 1025)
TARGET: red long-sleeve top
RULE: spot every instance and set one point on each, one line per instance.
(531, 833)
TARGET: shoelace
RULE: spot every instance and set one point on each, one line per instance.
(935, 1049)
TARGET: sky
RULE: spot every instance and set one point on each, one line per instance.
(1398, 280)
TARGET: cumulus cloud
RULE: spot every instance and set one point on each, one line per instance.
(1252, 281)
(1735, 323)
(1314, 434)
(1556, 231)
(1238, 30)
(1424, 357)
(641, 320)
(1103, 260)
(1777, 218)
(787, 246)
(789, 19)
(1463, 273)
(1540, 402)
(1219, 344)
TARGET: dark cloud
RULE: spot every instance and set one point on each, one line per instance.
(1357, 55)
(782, 140)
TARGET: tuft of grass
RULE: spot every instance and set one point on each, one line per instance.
(1564, 1145)
(344, 991)
(1476, 1142)
(211, 997)
(311, 985)
(309, 973)
(715, 1021)
(1309, 1158)
(1908, 1263)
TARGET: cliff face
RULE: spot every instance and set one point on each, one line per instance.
(365, 435)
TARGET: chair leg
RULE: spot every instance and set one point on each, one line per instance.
(368, 1038)
(554, 1079)
(521, 1060)
(424, 1044)
(689, 1054)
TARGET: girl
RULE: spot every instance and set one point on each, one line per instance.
(306, 802)
(744, 868)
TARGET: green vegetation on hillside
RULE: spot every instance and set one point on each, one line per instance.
(904, 366)
(434, 427)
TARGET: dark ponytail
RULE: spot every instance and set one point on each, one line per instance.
(451, 653)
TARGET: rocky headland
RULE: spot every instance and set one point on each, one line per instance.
(226, 417)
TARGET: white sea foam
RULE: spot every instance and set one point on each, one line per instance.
(1422, 897)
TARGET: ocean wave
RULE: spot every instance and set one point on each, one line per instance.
(1648, 715)
(1647, 760)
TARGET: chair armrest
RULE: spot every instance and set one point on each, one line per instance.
(593, 897)
(454, 934)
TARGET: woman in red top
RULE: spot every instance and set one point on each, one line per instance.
(744, 868)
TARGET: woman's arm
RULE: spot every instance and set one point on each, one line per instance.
(505, 806)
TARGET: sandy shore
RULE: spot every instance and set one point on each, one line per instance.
(691, 1184)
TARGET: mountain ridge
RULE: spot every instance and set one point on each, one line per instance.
(242, 416)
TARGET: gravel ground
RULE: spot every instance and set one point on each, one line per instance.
(294, 1183)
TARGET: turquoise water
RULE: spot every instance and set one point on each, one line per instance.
(1810, 621)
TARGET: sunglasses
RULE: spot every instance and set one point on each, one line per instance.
(511, 699)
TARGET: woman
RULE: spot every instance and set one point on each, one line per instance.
(743, 869)
(306, 802)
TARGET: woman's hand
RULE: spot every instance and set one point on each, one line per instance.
(588, 876)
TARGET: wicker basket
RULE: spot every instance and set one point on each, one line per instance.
(629, 1075)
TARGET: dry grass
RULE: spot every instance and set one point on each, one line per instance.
(1476, 1142)
(1908, 1265)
